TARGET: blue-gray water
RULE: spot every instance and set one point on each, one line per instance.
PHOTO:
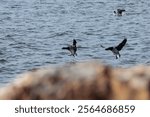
(32, 33)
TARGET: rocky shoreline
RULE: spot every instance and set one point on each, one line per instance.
(89, 80)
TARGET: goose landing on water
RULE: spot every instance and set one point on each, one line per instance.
(119, 12)
(117, 48)
(72, 48)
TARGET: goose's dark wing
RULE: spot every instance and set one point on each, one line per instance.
(120, 46)
(109, 48)
(67, 48)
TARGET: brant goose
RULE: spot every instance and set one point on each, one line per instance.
(119, 12)
(72, 48)
(116, 49)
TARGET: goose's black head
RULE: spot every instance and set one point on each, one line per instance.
(74, 42)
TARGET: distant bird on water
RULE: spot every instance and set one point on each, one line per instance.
(72, 48)
(119, 12)
(117, 48)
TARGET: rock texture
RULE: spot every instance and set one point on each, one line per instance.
(90, 80)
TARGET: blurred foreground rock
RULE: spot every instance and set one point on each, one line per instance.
(90, 80)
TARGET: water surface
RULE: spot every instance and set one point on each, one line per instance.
(32, 33)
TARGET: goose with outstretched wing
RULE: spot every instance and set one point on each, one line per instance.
(117, 48)
(72, 48)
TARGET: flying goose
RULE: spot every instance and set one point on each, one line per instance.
(117, 48)
(72, 48)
